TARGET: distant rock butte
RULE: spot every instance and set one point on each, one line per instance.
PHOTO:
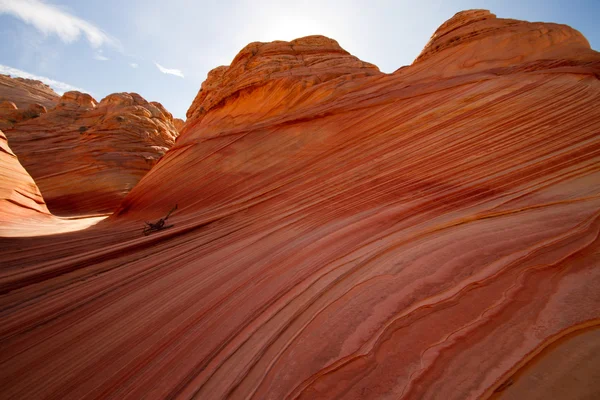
(340, 233)
(86, 156)
(22, 99)
(24, 92)
(178, 123)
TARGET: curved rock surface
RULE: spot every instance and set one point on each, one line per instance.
(360, 235)
(86, 156)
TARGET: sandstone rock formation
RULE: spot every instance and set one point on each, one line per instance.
(178, 123)
(22, 99)
(24, 92)
(341, 233)
(86, 156)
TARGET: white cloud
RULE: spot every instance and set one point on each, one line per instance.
(50, 19)
(170, 71)
(98, 56)
(133, 65)
(59, 87)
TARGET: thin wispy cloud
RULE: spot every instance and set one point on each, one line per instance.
(98, 56)
(59, 87)
(170, 71)
(133, 65)
(50, 19)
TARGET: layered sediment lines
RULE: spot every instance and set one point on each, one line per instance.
(86, 156)
(360, 235)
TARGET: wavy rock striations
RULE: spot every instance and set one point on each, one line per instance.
(341, 233)
(86, 156)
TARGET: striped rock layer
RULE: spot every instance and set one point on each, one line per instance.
(341, 233)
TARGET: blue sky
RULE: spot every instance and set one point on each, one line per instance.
(164, 49)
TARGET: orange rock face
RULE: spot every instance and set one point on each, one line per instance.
(340, 233)
(86, 156)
